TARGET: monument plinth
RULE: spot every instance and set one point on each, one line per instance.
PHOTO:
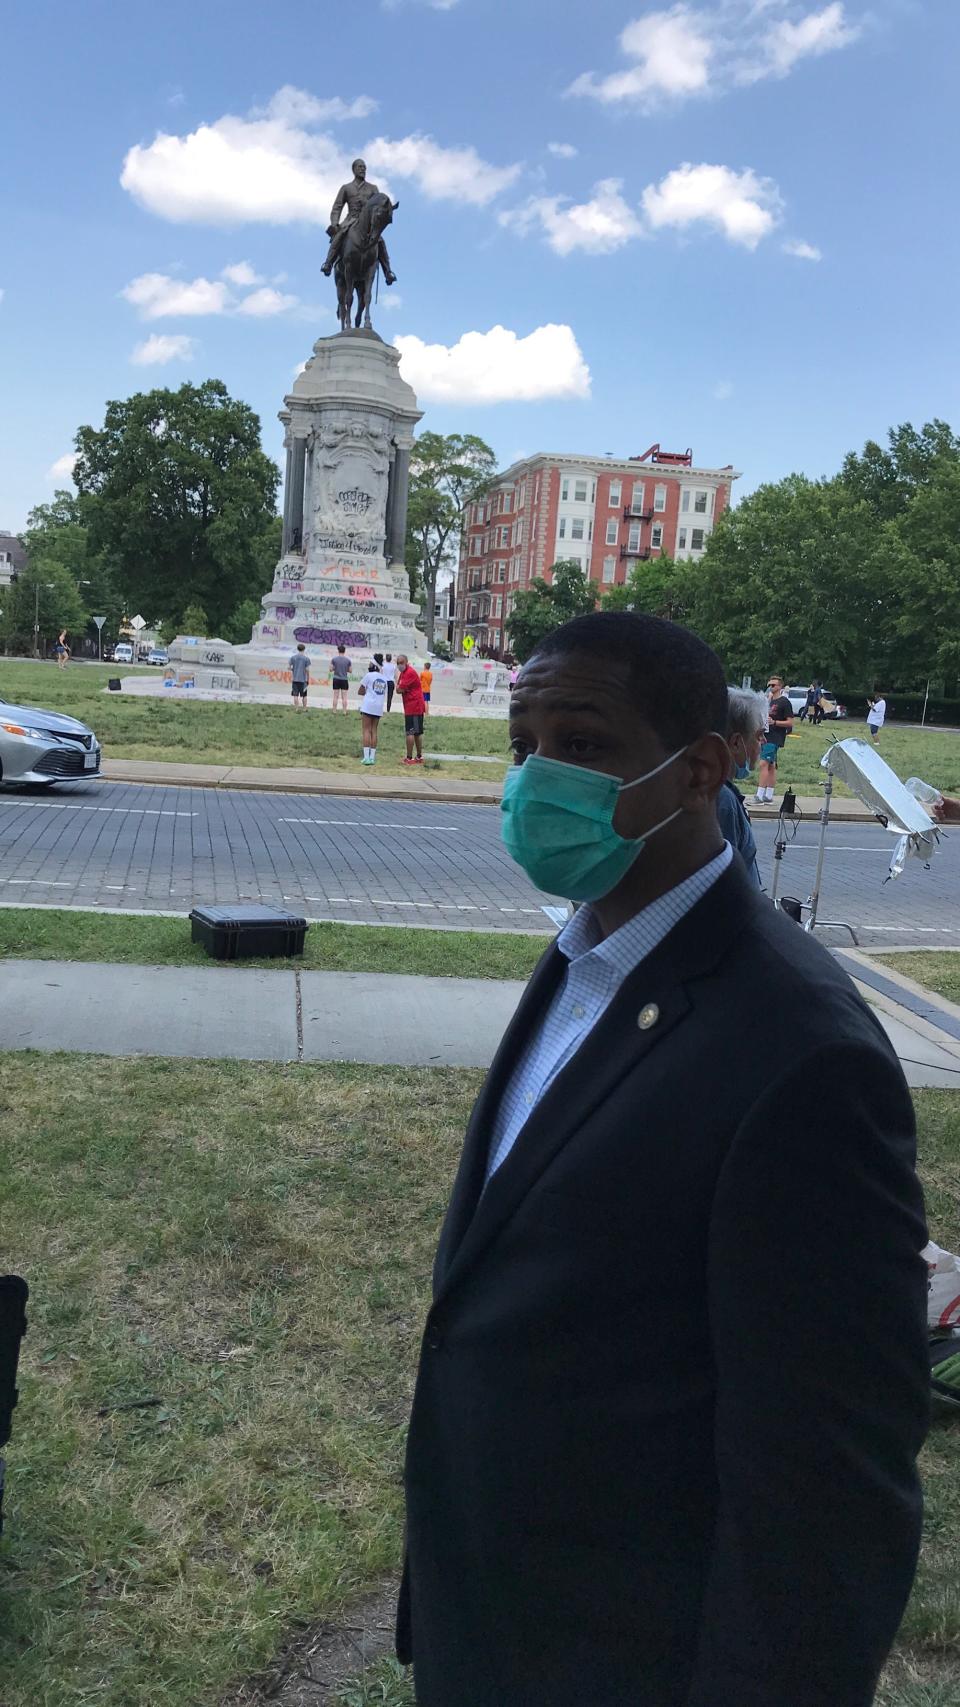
(341, 579)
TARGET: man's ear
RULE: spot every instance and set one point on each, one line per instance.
(709, 764)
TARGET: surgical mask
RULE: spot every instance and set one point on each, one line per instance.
(558, 825)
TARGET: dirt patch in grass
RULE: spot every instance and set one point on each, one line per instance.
(39, 933)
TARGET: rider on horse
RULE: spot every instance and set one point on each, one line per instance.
(353, 196)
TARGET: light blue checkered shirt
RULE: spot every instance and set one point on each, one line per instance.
(598, 967)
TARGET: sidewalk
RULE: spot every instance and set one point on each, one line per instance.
(240, 1013)
(302, 779)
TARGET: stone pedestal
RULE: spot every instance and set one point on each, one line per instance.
(205, 665)
(341, 580)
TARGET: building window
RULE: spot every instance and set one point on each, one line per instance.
(507, 502)
(609, 569)
(636, 500)
(633, 540)
(616, 488)
(522, 495)
(475, 545)
(656, 536)
(700, 503)
(562, 529)
(696, 539)
(613, 529)
(576, 528)
(564, 491)
(497, 605)
(504, 536)
(685, 499)
(501, 571)
(682, 539)
(660, 498)
(580, 491)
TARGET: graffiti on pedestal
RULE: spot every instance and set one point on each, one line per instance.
(356, 591)
(270, 628)
(285, 613)
(360, 543)
(329, 637)
(292, 586)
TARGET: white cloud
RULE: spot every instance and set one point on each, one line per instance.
(742, 205)
(241, 273)
(62, 469)
(562, 150)
(296, 106)
(158, 296)
(497, 366)
(160, 348)
(274, 167)
(684, 51)
(441, 174)
(723, 389)
(432, 5)
(803, 251)
(817, 33)
(600, 225)
(2, 293)
(672, 56)
(266, 301)
(391, 302)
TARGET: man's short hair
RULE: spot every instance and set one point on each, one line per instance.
(341, 647)
(676, 679)
(300, 646)
(746, 712)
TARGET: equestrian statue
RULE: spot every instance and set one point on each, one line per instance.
(357, 247)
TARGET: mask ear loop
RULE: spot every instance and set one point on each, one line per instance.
(649, 775)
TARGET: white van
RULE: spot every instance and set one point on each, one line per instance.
(123, 652)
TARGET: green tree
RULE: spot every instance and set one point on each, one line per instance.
(185, 499)
(658, 586)
(45, 592)
(889, 480)
(195, 621)
(58, 532)
(800, 577)
(239, 626)
(546, 605)
(447, 472)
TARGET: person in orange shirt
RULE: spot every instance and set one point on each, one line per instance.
(426, 683)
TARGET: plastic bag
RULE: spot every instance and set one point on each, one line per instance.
(943, 1287)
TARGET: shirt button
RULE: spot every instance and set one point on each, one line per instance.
(579, 1010)
(528, 1099)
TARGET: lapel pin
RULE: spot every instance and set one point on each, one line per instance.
(648, 1016)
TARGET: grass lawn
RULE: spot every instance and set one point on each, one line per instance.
(248, 1247)
(200, 732)
(38, 933)
(937, 971)
(212, 733)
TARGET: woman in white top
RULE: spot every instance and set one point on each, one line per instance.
(373, 703)
(876, 715)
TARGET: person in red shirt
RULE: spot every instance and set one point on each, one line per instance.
(414, 707)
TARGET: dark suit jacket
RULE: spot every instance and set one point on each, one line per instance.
(674, 1378)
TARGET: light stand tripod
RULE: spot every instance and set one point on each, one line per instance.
(813, 899)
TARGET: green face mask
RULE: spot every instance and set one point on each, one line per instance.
(558, 825)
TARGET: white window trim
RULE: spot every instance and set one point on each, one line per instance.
(613, 530)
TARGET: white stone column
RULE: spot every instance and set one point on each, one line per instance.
(297, 468)
(287, 497)
(397, 507)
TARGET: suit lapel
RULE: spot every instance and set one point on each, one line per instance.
(651, 1002)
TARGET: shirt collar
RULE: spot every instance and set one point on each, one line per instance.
(581, 935)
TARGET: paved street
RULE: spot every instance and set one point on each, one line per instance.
(117, 845)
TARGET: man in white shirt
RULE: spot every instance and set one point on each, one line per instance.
(388, 670)
(876, 715)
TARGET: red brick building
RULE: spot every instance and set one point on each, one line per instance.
(604, 514)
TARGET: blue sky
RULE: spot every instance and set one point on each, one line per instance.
(743, 238)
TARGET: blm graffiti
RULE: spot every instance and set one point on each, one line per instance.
(330, 637)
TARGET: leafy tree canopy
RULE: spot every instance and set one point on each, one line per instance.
(447, 472)
(184, 499)
(47, 592)
(545, 605)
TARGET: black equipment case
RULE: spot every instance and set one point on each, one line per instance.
(230, 933)
(13, 1325)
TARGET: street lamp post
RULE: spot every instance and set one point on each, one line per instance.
(49, 587)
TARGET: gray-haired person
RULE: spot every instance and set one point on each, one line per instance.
(746, 719)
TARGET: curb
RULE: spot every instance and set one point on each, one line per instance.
(278, 783)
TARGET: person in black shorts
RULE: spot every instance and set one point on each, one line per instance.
(779, 725)
(340, 667)
(299, 677)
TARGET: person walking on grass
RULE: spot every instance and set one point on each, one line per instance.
(414, 708)
(779, 725)
(388, 670)
(373, 703)
(299, 677)
(340, 667)
(426, 683)
(62, 650)
(876, 713)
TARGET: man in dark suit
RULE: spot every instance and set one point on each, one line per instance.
(673, 1381)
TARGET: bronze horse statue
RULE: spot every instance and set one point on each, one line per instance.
(358, 259)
